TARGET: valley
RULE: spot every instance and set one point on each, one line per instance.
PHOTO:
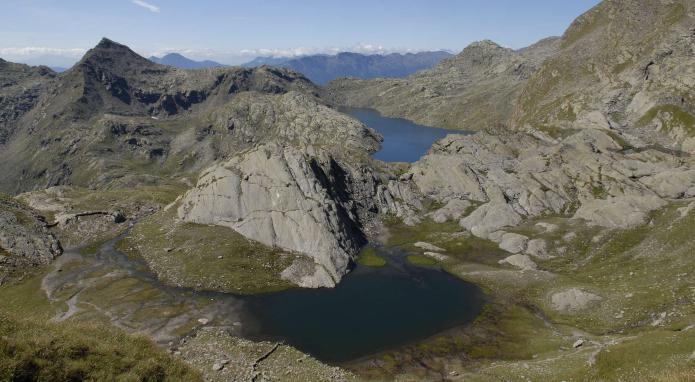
(508, 214)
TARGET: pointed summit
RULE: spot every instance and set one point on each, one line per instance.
(110, 55)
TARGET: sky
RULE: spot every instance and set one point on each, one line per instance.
(59, 32)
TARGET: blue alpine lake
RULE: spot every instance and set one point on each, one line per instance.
(404, 141)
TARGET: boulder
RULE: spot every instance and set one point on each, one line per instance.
(572, 300)
(522, 262)
(537, 248)
(513, 242)
(672, 184)
(454, 210)
(618, 212)
(489, 218)
(428, 247)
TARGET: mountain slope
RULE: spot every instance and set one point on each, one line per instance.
(321, 69)
(624, 64)
(20, 86)
(469, 91)
(117, 121)
(116, 114)
(179, 61)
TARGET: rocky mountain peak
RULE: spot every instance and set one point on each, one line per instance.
(111, 56)
(478, 54)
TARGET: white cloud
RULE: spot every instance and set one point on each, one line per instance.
(146, 5)
(304, 51)
(30, 51)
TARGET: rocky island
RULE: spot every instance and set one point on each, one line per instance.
(147, 211)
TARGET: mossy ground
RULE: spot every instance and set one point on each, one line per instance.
(420, 260)
(671, 117)
(369, 258)
(206, 257)
(91, 231)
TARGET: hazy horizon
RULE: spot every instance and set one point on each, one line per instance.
(56, 33)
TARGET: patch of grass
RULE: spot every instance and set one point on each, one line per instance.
(669, 352)
(206, 257)
(369, 258)
(671, 116)
(449, 236)
(26, 298)
(34, 350)
(583, 26)
(420, 260)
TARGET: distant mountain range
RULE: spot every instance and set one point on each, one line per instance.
(322, 69)
(179, 61)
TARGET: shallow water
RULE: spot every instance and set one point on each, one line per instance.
(404, 141)
(371, 309)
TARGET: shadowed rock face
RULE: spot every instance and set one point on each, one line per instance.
(24, 239)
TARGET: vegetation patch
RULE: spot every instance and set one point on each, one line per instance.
(420, 260)
(671, 117)
(206, 257)
(369, 258)
(36, 350)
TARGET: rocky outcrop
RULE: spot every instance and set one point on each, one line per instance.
(573, 300)
(593, 174)
(619, 212)
(281, 197)
(25, 242)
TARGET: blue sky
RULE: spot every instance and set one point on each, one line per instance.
(57, 32)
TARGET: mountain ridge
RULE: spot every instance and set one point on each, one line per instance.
(180, 61)
(323, 68)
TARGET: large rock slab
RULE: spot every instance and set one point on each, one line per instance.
(619, 212)
(281, 197)
(573, 300)
(489, 218)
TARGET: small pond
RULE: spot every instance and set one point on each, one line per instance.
(371, 309)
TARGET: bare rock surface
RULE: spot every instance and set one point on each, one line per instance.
(619, 212)
(25, 242)
(572, 300)
(280, 197)
(523, 262)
